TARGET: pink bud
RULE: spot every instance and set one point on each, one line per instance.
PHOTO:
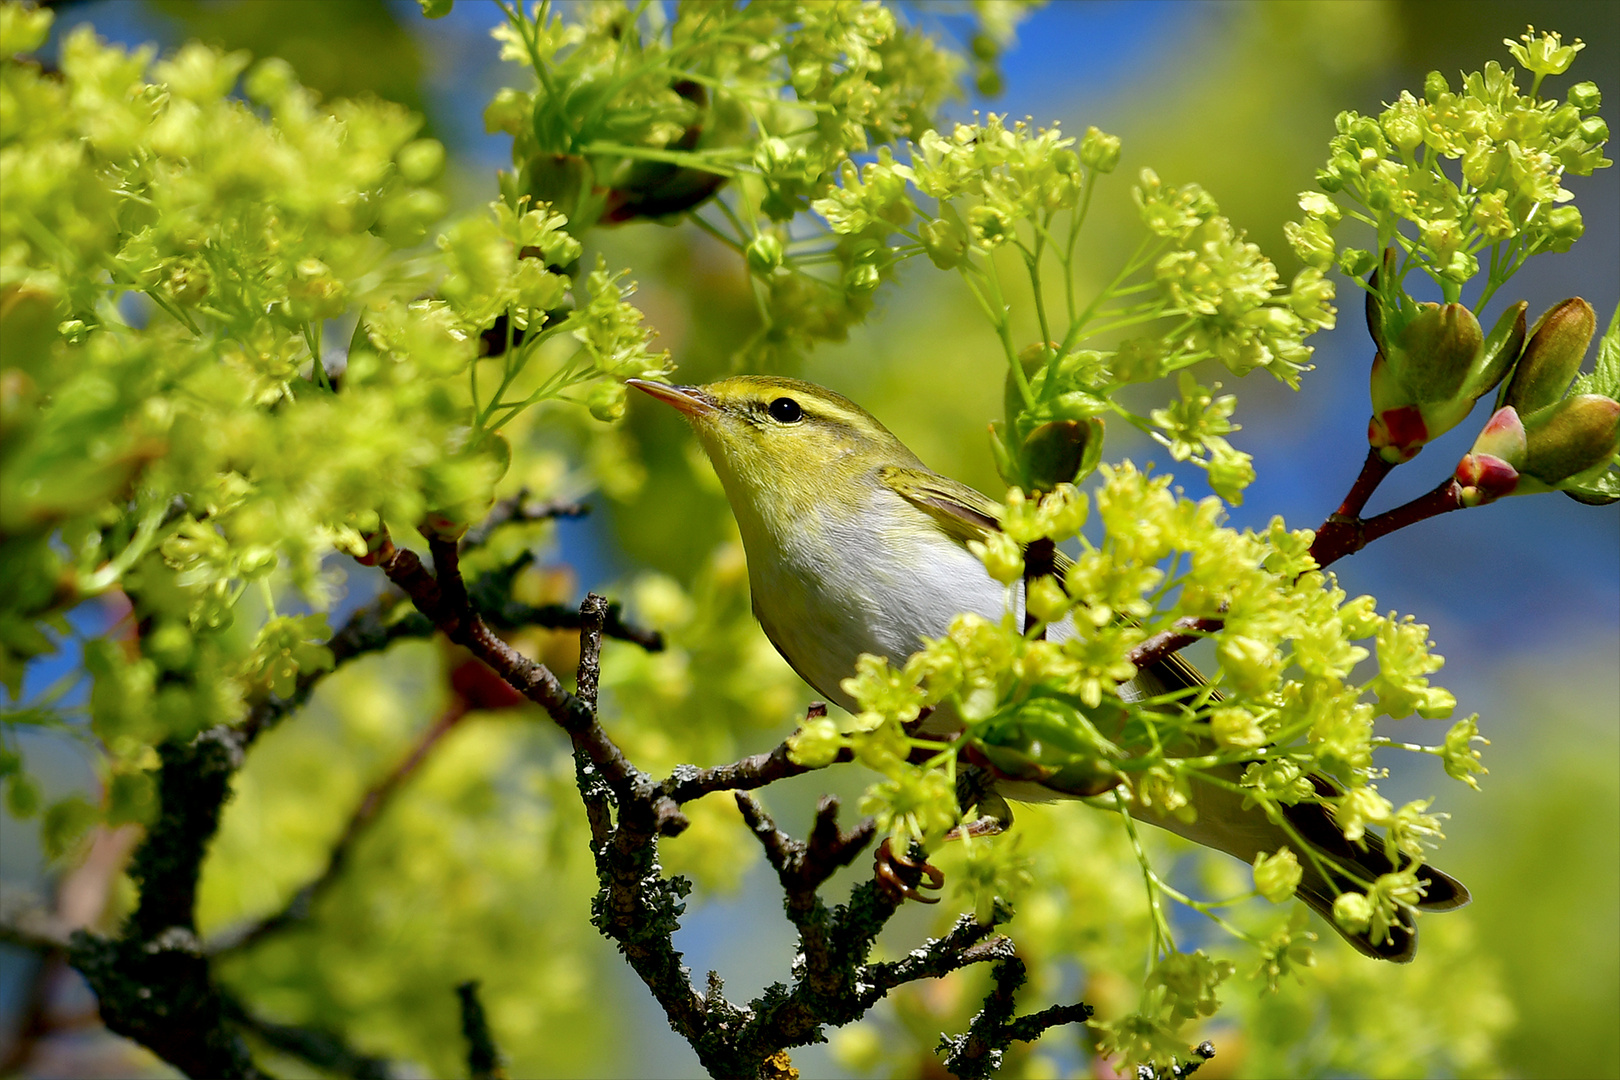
(1485, 478)
(1398, 434)
(1502, 437)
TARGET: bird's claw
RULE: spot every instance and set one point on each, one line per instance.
(901, 876)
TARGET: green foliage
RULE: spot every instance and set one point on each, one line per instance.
(1193, 290)
(1503, 196)
(179, 421)
(182, 424)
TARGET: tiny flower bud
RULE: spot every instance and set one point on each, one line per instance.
(1099, 151)
(1001, 557)
(1353, 911)
(1594, 130)
(1585, 96)
(606, 401)
(1552, 356)
(1434, 85)
(421, 161)
(944, 242)
(764, 254)
(862, 277)
(1276, 876)
(1047, 600)
(1565, 119)
(1565, 223)
(816, 743)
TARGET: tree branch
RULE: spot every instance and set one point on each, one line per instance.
(640, 909)
(687, 782)
(153, 983)
(977, 1054)
(519, 508)
(318, 1046)
(1160, 645)
(483, 1059)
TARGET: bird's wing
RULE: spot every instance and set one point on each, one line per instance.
(963, 513)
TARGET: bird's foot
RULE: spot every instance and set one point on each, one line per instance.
(901, 877)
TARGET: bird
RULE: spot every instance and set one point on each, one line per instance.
(855, 546)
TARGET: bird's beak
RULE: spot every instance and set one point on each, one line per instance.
(691, 400)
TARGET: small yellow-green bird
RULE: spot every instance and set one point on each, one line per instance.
(855, 546)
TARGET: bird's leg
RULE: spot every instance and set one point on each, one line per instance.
(901, 876)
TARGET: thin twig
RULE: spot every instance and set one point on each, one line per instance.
(977, 1054)
(519, 508)
(687, 782)
(1183, 633)
(483, 1059)
(322, 1048)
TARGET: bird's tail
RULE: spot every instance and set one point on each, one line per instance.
(1330, 866)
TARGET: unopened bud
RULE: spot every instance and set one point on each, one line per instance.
(1099, 151)
(1571, 437)
(1001, 557)
(1483, 478)
(1428, 380)
(944, 241)
(1047, 601)
(1552, 357)
(862, 277)
(764, 254)
(1585, 96)
(1061, 452)
(1277, 876)
(1565, 224)
(1435, 350)
(1353, 911)
(1502, 437)
(1564, 119)
(606, 401)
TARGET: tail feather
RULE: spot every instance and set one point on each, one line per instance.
(1224, 824)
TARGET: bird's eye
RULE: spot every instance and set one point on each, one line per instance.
(785, 410)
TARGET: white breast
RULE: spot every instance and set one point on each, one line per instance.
(883, 597)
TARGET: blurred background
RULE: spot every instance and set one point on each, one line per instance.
(1523, 597)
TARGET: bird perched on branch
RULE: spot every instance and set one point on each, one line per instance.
(855, 546)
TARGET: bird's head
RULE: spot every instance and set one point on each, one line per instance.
(783, 446)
